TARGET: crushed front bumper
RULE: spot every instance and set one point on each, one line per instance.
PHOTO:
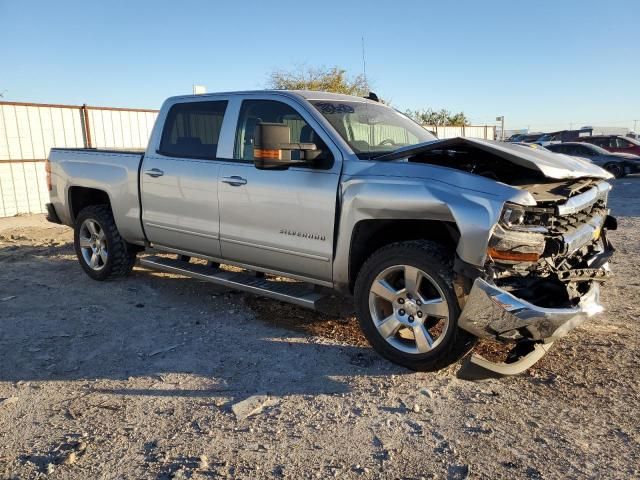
(493, 313)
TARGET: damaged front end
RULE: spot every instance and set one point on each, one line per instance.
(544, 267)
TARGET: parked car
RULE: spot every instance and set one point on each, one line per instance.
(530, 145)
(515, 138)
(618, 164)
(614, 143)
(530, 138)
(436, 240)
(546, 139)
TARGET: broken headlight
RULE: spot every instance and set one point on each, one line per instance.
(512, 214)
(513, 241)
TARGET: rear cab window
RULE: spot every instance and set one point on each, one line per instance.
(192, 130)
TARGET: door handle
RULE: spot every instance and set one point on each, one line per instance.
(234, 180)
(154, 172)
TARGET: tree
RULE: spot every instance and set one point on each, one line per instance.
(439, 118)
(326, 79)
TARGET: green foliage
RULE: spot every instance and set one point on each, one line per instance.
(441, 117)
(331, 79)
(336, 80)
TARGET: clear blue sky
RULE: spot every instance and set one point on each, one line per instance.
(545, 64)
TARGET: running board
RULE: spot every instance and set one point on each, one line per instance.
(292, 292)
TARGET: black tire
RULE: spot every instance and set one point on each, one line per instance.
(614, 169)
(121, 256)
(436, 261)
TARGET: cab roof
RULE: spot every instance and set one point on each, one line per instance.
(304, 94)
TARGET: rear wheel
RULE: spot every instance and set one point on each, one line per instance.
(407, 307)
(101, 251)
(614, 169)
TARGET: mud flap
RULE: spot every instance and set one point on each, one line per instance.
(476, 367)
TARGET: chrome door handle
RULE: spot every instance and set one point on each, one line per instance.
(234, 180)
(154, 172)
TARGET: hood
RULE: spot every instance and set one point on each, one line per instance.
(551, 165)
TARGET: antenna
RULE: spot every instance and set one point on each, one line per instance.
(364, 65)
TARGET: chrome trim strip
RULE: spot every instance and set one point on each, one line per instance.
(180, 230)
(584, 200)
(275, 249)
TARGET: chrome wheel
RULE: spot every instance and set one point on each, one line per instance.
(93, 244)
(409, 309)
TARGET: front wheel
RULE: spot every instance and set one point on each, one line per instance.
(615, 169)
(407, 307)
(101, 251)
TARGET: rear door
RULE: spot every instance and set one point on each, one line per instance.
(619, 144)
(179, 182)
(280, 220)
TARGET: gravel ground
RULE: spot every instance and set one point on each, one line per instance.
(158, 376)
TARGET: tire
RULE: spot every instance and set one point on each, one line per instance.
(96, 239)
(614, 169)
(378, 315)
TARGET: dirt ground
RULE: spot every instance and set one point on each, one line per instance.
(154, 376)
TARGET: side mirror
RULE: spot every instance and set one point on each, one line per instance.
(272, 147)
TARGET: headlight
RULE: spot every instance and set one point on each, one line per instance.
(512, 214)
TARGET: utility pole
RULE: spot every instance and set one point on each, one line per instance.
(501, 119)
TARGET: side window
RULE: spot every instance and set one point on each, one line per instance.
(253, 112)
(192, 129)
(601, 142)
(621, 143)
(585, 151)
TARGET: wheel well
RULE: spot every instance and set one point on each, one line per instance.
(371, 235)
(81, 197)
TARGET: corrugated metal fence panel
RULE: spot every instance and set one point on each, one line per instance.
(29, 131)
(22, 188)
(120, 128)
(476, 131)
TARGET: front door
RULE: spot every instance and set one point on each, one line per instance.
(179, 183)
(280, 220)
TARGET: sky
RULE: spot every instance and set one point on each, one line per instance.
(546, 65)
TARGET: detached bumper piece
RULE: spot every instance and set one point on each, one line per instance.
(493, 313)
(52, 215)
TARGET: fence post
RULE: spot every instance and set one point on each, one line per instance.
(87, 127)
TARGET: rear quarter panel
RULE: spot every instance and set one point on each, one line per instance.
(114, 173)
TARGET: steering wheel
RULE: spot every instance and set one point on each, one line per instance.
(387, 141)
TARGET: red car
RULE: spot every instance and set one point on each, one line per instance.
(614, 143)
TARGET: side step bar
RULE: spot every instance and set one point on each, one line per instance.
(292, 292)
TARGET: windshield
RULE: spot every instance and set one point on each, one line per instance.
(372, 130)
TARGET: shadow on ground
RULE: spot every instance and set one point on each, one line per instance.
(56, 324)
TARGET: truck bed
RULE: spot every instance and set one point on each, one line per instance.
(113, 171)
(133, 151)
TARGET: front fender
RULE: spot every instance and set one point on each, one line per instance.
(399, 198)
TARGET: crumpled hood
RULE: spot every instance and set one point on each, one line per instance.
(552, 165)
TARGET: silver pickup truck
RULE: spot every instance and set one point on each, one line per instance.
(437, 241)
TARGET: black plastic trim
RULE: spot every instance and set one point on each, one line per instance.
(52, 215)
